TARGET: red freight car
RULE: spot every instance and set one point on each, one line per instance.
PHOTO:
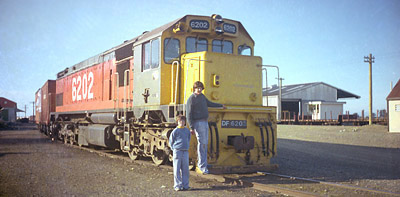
(45, 100)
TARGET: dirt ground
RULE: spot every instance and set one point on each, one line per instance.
(31, 165)
(368, 135)
(364, 156)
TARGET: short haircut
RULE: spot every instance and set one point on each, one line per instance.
(181, 117)
(198, 84)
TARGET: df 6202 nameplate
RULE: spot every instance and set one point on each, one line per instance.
(236, 124)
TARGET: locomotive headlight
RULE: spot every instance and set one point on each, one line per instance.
(218, 18)
(216, 82)
(219, 30)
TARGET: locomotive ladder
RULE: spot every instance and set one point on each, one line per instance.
(126, 96)
(126, 139)
(124, 117)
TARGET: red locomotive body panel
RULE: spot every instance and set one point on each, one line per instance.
(45, 102)
(92, 88)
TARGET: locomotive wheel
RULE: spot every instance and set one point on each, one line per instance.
(133, 155)
(71, 140)
(159, 157)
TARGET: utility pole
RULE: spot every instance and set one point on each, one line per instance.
(33, 111)
(280, 96)
(370, 59)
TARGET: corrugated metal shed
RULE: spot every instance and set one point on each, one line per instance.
(297, 89)
(317, 99)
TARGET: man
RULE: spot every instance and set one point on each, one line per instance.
(197, 116)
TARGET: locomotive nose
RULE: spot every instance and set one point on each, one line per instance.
(229, 79)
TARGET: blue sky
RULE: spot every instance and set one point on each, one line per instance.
(310, 40)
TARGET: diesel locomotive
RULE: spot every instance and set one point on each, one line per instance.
(128, 97)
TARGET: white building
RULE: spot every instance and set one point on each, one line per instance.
(318, 100)
(393, 103)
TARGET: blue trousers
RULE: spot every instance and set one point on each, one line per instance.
(201, 130)
(181, 169)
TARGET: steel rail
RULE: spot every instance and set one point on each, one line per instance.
(219, 178)
(332, 184)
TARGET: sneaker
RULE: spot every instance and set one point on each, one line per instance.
(201, 172)
(186, 189)
(198, 171)
(177, 189)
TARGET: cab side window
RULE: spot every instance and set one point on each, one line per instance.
(171, 49)
(196, 44)
(151, 54)
(146, 56)
(222, 46)
(155, 55)
(244, 50)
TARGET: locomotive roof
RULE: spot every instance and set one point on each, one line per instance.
(147, 35)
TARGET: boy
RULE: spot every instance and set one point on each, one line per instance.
(179, 142)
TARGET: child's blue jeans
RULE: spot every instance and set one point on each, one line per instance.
(181, 169)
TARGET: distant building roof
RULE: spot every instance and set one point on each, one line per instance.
(395, 93)
(6, 103)
(298, 87)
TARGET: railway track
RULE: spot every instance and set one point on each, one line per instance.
(265, 181)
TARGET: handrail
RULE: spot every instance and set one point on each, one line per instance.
(173, 99)
(125, 84)
(127, 58)
(117, 100)
(176, 83)
(280, 89)
(266, 82)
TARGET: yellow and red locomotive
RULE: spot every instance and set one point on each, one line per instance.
(128, 97)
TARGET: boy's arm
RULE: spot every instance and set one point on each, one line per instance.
(212, 104)
(171, 139)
